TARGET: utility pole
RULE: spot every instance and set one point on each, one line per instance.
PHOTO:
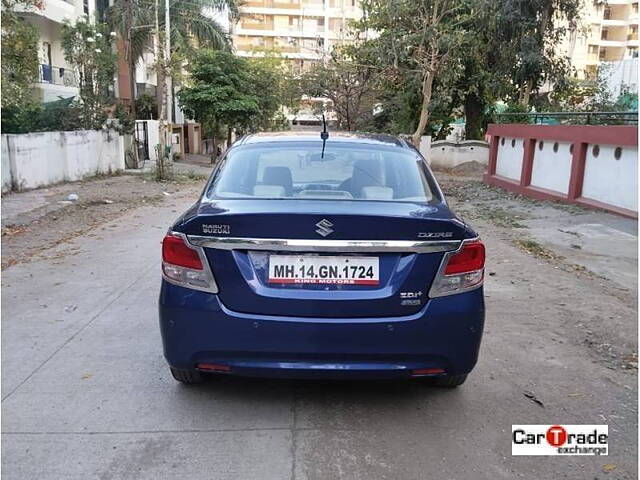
(162, 124)
(128, 55)
(167, 53)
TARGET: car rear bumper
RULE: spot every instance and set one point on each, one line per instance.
(196, 328)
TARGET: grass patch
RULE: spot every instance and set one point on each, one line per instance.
(501, 217)
(191, 176)
(534, 248)
(179, 178)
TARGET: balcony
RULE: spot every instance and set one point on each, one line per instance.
(592, 58)
(270, 7)
(615, 22)
(273, 4)
(54, 83)
(256, 26)
(57, 11)
(612, 43)
(57, 76)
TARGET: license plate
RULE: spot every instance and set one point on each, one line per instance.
(323, 270)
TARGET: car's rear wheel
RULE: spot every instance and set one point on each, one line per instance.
(450, 381)
(189, 377)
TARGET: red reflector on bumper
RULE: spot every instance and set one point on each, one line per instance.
(427, 371)
(213, 367)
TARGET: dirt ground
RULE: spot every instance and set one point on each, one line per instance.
(82, 358)
(609, 332)
(35, 221)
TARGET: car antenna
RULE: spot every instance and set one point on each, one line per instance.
(324, 135)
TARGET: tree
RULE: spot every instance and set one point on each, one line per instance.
(485, 50)
(417, 35)
(530, 32)
(349, 84)
(272, 82)
(192, 27)
(88, 47)
(220, 91)
(146, 107)
(227, 92)
(19, 56)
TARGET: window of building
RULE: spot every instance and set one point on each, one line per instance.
(634, 8)
(632, 52)
(85, 7)
(604, 34)
(593, 49)
(591, 72)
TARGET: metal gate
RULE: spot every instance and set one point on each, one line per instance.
(142, 139)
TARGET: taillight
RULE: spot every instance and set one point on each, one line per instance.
(176, 252)
(461, 271)
(186, 265)
(469, 259)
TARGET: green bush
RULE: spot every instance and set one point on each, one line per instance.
(146, 107)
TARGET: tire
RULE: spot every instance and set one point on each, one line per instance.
(451, 381)
(188, 377)
(129, 160)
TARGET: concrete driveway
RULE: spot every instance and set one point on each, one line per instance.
(86, 393)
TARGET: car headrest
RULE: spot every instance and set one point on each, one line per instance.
(366, 173)
(271, 191)
(279, 176)
(377, 193)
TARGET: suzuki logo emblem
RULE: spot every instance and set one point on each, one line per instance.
(324, 227)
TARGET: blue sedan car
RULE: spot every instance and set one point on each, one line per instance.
(313, 258)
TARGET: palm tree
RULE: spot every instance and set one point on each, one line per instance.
(192, 26)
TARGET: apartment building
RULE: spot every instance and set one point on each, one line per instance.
(303, 31)
(611, 35)
(56, 79)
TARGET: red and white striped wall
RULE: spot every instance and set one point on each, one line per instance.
(595, 166)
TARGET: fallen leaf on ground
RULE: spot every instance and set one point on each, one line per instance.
(532, 396)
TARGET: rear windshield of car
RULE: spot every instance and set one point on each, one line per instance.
(345, 172)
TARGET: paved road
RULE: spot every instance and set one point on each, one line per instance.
(87, 395)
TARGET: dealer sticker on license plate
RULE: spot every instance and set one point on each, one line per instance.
(320, 270)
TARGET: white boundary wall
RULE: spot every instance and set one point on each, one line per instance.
(610, 171)
(552, 166)
(38, 159)
(446, 154)
(612, 180)
(509, 161)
